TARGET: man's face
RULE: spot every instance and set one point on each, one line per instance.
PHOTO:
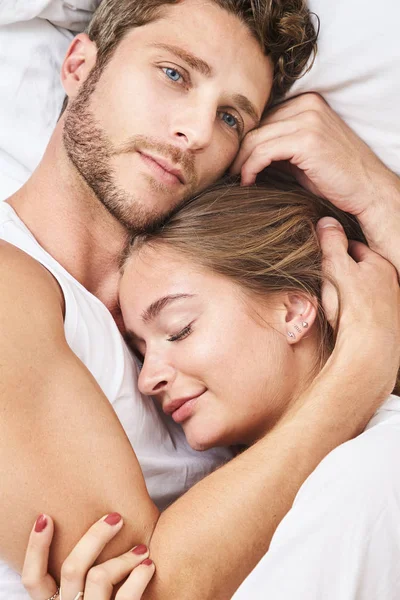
(169, 111)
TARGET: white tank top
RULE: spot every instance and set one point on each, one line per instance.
(169, 465)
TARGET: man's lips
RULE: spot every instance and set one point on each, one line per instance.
(165, 165)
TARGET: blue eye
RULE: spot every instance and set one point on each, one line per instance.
(229, 119)
(172, 74)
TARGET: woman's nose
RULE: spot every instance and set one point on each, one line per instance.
(155, 376)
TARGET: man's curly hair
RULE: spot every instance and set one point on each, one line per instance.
(284, 29)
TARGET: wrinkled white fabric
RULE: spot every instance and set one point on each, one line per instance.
(70, 14)
(341, 539)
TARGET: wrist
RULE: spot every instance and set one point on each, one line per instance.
(380, 221)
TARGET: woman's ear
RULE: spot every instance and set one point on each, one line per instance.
(301, 312)
(79, 61)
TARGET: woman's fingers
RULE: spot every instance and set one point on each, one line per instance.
(137, 581)
(39, 584)
(86, 551)
(102, 578)
(77, 573)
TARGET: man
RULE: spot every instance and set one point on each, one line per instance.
(163, 115)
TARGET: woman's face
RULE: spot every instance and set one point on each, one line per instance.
(218, 363)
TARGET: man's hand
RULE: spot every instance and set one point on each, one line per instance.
(320, 150)
(312, 142)
(368, 324)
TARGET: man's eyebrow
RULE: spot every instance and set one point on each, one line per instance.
(205, 69)
(248, 107)
(156, 307)
(193, 61)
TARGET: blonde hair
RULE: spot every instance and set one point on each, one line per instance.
(263, 238)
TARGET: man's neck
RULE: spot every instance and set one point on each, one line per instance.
(71, 224)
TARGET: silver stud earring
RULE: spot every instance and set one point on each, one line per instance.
(305, 324)
(291, 335)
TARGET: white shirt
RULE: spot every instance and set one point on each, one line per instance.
(341, 539)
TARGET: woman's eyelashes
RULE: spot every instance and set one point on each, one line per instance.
(183, 333)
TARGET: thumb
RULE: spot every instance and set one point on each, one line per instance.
(332, 238)
(335, 261)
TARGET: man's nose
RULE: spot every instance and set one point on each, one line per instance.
(155, 376)
(193, 128)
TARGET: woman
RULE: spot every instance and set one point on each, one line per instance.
(223, 305)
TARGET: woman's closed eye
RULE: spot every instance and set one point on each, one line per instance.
(183, 333)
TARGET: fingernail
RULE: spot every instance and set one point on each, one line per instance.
(147, 562)
(142, 549)
(41, 524)
(327, 222)
(113, 518)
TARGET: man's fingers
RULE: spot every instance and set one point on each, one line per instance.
(296, 106)
(333, 240)
(35, 578)
(260, 136)
(360, 252)
(335, 259)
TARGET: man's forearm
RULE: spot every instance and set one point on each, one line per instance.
(207, 542)
(381, 220)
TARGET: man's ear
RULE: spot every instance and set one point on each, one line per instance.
(301, 312)
(79, 61)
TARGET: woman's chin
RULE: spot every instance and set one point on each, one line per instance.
(202, 440)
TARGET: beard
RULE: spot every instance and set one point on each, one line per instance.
(91, 153)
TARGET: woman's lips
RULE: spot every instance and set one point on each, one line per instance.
(185, 410)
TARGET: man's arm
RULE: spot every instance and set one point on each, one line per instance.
(206, 543)
(62, 448)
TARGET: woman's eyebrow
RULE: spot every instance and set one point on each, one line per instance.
(156, 307)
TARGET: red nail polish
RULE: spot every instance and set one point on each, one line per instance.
(113, 518)
(41, 523)
(142, 549)
(147, 562)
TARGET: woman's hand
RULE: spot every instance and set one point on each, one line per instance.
(79, 578)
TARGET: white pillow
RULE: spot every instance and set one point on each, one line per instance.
(357, 70)
(70, 14)
(31, 54)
